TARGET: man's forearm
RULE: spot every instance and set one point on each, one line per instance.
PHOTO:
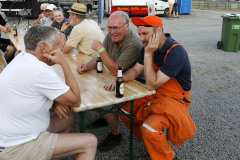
(111, 65)
(70, 79)
(37, 21)
(130, 75)
(92, 64)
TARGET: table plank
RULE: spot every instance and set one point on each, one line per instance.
(17, 41)
(93, 95)
(3, 62)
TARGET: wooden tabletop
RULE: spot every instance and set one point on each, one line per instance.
(91, 85)
(3, 62)
(17, 41)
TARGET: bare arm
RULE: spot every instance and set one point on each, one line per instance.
(37, 21)
(153, 79)
(65, 48)
(72, 97)
(111, 65)
(130, 75)
(85, 67)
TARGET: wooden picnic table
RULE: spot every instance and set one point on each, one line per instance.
(17, 41)
(3, 62)
(94, 96)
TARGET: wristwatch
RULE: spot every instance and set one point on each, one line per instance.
(62, 32)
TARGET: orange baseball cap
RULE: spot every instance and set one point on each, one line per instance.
(148, 21)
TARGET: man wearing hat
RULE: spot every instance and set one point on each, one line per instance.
(167, 70)
(46, 18)
(83, 33)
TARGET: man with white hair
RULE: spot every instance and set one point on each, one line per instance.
(5, 44)
(43, 15)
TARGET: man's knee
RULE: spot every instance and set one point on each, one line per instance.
(11, 49)
(92, 141)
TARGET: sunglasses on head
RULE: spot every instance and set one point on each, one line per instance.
(57, 9)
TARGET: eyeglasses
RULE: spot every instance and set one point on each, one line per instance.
(43, 10)
(57, 9)
(114, 28)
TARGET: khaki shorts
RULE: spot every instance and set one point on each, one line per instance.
(38, 149)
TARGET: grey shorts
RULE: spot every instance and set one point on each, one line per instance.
(38, 149)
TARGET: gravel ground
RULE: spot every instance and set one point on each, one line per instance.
(215, 96)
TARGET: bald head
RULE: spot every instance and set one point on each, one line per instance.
(120, 14)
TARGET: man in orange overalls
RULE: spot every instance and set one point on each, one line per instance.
(167, 70)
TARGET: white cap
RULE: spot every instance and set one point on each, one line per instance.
(50, 7)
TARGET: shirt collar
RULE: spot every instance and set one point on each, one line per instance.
(166, 45)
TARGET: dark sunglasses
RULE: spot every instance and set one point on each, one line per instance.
(43, 10)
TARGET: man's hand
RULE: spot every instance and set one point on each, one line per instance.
(40, 16)
(97, 45)
(56, 56)
(65, 26)
(153, 44)
(81, 68)
(110, 86)
(62, 110)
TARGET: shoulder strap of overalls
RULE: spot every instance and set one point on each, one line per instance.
(176, 44)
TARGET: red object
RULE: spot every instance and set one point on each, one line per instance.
(134, 10)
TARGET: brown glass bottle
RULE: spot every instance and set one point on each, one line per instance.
(15, 33)
(99, 65)
(119, 83)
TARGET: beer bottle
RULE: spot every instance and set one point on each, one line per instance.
(119, 83)
(15, 33)
(99, 66)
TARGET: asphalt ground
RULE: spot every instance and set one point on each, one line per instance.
(215, 93)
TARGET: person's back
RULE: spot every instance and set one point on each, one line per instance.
(29, 86)
(83, 33)
(89, 31)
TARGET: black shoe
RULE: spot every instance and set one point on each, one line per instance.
(98, 124)
(110, 142)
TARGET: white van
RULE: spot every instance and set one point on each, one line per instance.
(158, 7)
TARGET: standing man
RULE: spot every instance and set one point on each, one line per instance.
(5, 44)
(83, 33)
(170, 2)
(167, 70)
(120, 47)
(28, 131)
(175, 9)
(43, 15)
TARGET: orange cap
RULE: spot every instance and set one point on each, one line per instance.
(148, 21)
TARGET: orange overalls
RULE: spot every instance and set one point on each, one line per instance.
(165, 109)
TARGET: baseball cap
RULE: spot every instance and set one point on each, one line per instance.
(50, 7)
(148, 21)
(78, 8)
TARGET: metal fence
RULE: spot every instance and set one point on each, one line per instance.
(216, 4)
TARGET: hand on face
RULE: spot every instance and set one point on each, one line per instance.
(65, 26)
(153, 44)
(55, 56)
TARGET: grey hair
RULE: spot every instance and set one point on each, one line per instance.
(43, 5)
(123, 14)
(81, 16)
(37, 34)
